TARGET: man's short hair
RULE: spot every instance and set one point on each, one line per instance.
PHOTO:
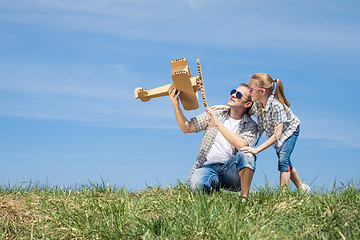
(249, 97)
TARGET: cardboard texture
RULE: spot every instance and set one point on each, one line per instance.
(183, 82)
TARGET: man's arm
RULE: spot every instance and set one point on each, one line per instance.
(235, 140)
(185, 125)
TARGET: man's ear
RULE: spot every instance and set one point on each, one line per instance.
(248, 104)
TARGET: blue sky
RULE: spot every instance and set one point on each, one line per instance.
(68, 70)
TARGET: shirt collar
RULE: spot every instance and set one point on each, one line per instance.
(245, 118)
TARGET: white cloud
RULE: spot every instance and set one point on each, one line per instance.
(111, 82)
(336, 131)
(129, 113)
(102, 95)
(303, 25)
(198, 4)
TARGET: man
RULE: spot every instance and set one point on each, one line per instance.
(219, 163)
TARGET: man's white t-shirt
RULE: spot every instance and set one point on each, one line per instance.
(222, 151)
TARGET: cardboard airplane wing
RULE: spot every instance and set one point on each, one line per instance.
(183, 82)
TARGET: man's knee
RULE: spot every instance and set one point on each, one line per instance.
(201, 182)
(196, 184)
(245, 160)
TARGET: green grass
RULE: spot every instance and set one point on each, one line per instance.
(102, 212)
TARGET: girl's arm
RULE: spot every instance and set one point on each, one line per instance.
(275, 137)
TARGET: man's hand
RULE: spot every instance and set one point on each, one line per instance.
(174, 96)
(214, 122)
(185, 125)
(251, 150)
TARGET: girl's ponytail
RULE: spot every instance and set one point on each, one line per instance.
(279, 93)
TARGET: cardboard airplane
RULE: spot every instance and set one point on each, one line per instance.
(182, 81)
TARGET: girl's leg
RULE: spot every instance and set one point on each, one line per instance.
(287, 171)
(284, 179)
(295, 178)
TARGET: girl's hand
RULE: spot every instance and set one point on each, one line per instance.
(218, 107)
(249, 150)
(214, 122)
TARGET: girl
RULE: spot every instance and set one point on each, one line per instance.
(279, 123)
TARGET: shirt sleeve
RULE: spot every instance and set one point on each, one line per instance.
(249, 133)
(199, 123)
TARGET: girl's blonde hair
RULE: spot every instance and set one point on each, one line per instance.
(263, 80)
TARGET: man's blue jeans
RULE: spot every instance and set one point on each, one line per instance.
(222, 175)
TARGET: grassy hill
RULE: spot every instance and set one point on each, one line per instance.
(102, 212)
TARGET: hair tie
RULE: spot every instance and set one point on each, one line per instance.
(274, 80)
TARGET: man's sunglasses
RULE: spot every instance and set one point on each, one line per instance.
(238, 94)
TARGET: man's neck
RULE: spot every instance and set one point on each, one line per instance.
(236, 113)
